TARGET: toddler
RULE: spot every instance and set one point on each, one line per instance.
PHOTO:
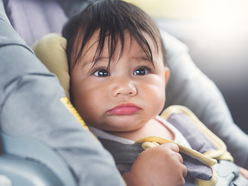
(119, 73)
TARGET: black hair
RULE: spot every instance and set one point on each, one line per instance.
(112, 17)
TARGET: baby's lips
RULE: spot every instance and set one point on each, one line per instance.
(125, 109)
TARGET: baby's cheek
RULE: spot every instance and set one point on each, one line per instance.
(83, 106)
(160, 103)
(92, 108)
(157, 99)
(88, 114)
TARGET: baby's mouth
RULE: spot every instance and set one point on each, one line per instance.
(125, 109)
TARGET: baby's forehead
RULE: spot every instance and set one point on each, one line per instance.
(115, 46)
(107, 41)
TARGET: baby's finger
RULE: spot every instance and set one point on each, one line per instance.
(175, 149)
(172, 146)
(180, 158)
(184, 172)
(244, 172)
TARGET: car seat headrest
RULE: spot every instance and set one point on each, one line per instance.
(51, 52)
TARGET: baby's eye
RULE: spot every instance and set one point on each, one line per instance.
(101, 72)
(141, 71)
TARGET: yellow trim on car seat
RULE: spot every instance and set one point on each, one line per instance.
(211, 182)
(66, 102)
(51, 52)
(221, 153)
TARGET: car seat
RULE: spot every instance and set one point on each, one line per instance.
(27, 161)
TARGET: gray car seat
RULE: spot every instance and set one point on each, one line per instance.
(27, 161)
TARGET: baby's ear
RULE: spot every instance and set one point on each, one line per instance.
(167, 74)
(51, 52)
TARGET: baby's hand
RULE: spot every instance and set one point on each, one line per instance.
(244, 172)
(158, 166)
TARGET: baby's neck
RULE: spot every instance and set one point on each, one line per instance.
(151, 128)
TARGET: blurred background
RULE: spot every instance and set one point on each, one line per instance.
(216, 32)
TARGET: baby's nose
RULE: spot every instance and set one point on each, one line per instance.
(125, 88)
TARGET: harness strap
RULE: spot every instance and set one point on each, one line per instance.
(198, 174)
(128, 153)
(122, 153)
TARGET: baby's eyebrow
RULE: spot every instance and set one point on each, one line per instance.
(85, 63)
(91, 62)
(143, 58)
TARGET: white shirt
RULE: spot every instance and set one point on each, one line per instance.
(179, 138)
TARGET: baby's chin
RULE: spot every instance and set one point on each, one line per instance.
(120, 124)
(118, 129)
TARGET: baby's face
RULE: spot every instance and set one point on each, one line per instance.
(125, 96)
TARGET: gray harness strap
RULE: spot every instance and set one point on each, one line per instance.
(127, 154)
(228, 172)
(122, 153)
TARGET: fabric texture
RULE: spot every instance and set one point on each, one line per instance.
(51, 52)
(204, 139)
(198, 141)
(33, 19)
